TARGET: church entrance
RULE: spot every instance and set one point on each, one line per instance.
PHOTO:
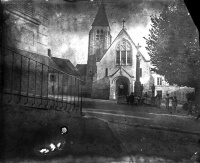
(122, 86)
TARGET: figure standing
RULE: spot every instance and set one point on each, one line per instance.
(175, 101)
(145, 98)
(167, 101)
(131, 97)
(189, 107)
(170, 103)
(127, 98)
(136, 100)
(158, 100)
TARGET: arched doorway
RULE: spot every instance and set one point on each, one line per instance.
(122, 86)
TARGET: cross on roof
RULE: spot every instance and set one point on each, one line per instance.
(138, 46)
(123, 21)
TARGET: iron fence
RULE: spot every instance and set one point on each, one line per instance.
(29, 82)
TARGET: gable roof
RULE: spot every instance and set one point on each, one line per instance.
(119, 69)
(66, 66)
(123, 31)
(101, 17)
(143, 56)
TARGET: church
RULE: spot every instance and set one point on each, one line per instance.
(114, 67)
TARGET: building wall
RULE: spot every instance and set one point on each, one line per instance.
(146, 74)
(172, 90)
(42, 14)
(63, 84)
(109, 62)
(25, 30)
(22, 32)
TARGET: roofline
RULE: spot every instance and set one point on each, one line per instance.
(124, 71)
(123, 29)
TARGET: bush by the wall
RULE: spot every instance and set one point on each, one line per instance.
(190, 96)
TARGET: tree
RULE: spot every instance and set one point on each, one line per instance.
(173, 46)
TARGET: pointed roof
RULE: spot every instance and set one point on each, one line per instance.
(121, 69)
(124, 32)
(101, 17)
(66, 66)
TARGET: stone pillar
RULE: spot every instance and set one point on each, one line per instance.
(137, 90)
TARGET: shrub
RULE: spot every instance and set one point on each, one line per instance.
(190, 96)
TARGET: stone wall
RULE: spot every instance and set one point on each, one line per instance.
(26, 33)
(101, 89)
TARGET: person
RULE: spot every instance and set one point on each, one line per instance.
(189, 107)
(127, 98)
(167, 101)
(145, 98)
(136, 100)
(131, 98)
(170, 103)
(121, 87)
(139, 100)
(142, 100)
(158, 100)
(175, 102)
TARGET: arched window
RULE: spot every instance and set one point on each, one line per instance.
(99, 35)
(123, 53)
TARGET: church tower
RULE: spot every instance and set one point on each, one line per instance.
(99, 41)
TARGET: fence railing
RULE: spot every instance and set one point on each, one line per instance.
(29, 82)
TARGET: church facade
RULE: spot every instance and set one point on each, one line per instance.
(114, 68)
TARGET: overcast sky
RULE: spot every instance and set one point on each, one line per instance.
(70, 23)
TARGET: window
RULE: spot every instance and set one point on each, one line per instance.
(123, 53)
(159, 81)
(140, 72)
(99, 35)
(106, 72)
(52, 78)
(118, 58)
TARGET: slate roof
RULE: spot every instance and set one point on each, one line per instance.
(66, 66)
(37, 57)
(101, 17)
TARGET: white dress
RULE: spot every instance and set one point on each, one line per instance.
(170, 102)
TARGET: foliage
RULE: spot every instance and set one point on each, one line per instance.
(190, 96)
(173, 46)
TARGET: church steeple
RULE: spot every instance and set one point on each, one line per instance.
(99, 41)
(101, 17)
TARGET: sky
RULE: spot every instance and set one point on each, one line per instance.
(70, 23)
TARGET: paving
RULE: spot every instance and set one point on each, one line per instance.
(107, 133)
(145, 116)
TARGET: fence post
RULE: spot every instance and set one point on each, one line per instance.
(20, 84)
(81, 100)
(28, 82)
(11, 83)
(46, 106)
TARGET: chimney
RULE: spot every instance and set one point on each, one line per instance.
(49, 53)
